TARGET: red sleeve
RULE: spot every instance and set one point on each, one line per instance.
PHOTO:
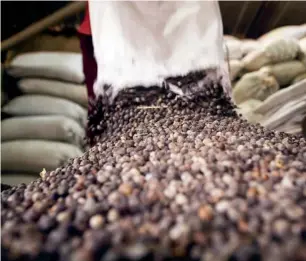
(85, 25)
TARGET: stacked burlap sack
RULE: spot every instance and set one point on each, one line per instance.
(268, 77)
(46, 124)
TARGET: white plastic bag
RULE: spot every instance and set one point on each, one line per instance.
(142, 42)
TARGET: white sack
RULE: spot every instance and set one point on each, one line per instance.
(289, 112)
(73, 92)
(229, 38)
(51, 127)
(284, 32)
(302, 44)
(249, 45)
(143, 42)
(299, 78)
(54, 65)
(246, 110)
(33, 155)
(249, 105)
(35, 105)
(236, 67)
(285, 72)
(291, 93)
(234, 49)
(14, 179)
(290, 129)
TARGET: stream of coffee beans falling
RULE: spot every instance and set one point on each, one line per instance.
(169, 178)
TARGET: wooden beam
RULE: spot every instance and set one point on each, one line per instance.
(41, 25)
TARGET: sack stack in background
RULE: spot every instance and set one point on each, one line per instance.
(47, 122)
(269, 77)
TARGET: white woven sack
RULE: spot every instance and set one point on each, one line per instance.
(141, 43)
(53, 65)
(14, 179)
(249, 105)
(249, 45)
(233, 49)
(299, 78)
(228, 38)
(246, 110)
(69, 91)
(285, 72)
(279, 50)
(284, 32)
(293, 129)
(52, 127)
(279, 98)
(34, 105)
(302, 44)
(255, 85)
(286, 113)
(236, 67)
(34, 155)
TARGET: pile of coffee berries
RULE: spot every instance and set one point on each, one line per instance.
(168, 178)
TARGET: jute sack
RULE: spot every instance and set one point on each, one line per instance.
(255, 85)
(52, 65)
(69, 91)
(34, 155)
(34, 105)
(285, 72)
(282, 96)
(275, 52)
(52, 127)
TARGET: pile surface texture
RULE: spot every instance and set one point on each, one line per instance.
(168, 177)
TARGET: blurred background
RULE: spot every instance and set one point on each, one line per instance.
(248, 19)
(44, 100)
